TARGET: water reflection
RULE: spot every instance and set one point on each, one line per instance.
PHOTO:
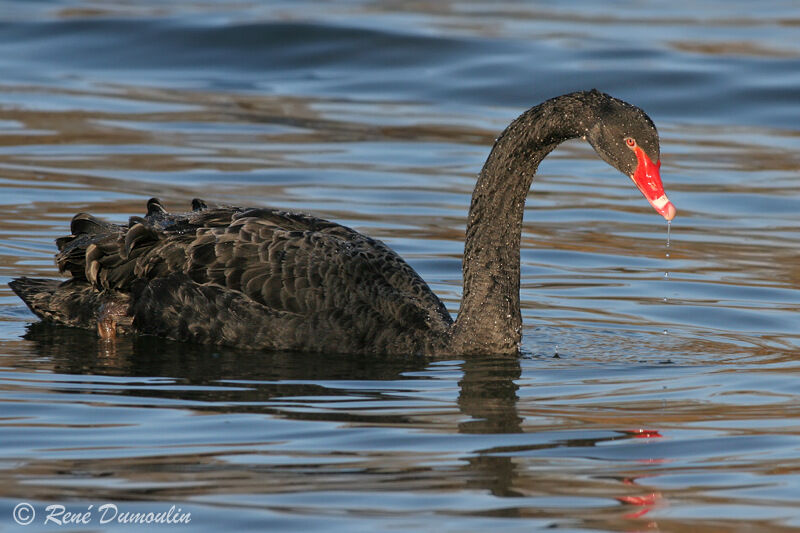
(318, 389)
(263, 375)
(488, 395)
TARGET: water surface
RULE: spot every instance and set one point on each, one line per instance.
(378, 115)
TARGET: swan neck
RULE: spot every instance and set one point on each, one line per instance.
(489, 320)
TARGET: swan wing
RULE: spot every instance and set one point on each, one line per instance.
(302, 274)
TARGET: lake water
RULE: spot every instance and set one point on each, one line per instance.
(379, 114)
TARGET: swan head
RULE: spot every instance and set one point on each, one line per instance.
(626, 138)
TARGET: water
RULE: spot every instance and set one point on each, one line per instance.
(666, 254)
(379, 115)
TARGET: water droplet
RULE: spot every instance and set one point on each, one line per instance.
(666, 274)
(669, 227)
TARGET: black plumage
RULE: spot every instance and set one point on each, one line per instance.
(269, 279)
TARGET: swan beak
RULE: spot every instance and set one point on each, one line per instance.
(648, 179)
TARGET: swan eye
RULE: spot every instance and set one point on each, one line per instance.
(631, 142)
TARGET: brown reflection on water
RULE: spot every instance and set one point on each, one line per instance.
(732, 48)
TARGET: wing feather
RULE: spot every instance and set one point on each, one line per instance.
(295, 265)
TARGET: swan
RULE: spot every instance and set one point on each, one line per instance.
(268, 279)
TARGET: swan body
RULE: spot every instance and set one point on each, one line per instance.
(269, 279)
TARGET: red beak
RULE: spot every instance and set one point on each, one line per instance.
(648, 179)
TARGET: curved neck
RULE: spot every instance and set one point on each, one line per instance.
(489, 320)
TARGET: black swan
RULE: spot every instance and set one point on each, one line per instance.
(267, 279)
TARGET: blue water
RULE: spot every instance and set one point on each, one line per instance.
(378, 115)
